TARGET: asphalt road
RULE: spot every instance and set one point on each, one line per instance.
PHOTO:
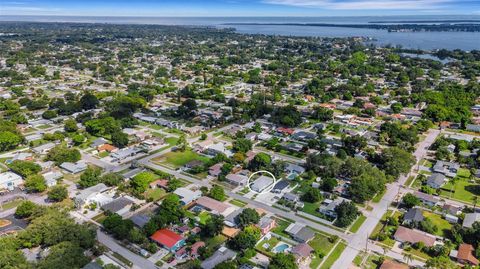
(359, 241)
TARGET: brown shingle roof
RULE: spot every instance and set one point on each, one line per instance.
(465, 254)
(212, 204)
(389, 264)
(413, 236)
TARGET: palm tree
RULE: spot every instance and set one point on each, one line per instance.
(475, 201)
(407, 257)
(453, 181)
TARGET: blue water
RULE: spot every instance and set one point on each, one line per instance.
(281, 248)
(413, 40)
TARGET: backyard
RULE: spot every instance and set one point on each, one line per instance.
(443, 225)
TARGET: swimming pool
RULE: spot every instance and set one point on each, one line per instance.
(281, 248)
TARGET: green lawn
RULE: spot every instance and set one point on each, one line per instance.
(204, 216)
(281, 226)
(387, 229)
(216, 241)
(463, 191)
(238, 203)
(443, 225)
(320, 243)
(171, 140)
(103, 154)
(179, 158)
(333, 256)
(311, 208)
(371, 262)
(11, 204)
(409, 180)
(99, 218)
(155, 194)
(357, 224)
(272, 242)
(378, 197)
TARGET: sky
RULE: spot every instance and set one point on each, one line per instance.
(218, 8)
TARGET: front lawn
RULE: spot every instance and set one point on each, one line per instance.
(333, 256)
(280, 227)
(238, 203)
(358, 223)
(383, 232)
(320, 243)
(215, 241)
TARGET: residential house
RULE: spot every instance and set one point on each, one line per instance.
(186, 195)
(266, 224)
(473, 128)
(302, 253)
(140, 220)
(261, 183)
(280, 186)
(9, 181)
(294, 169)
(291, 197)
(328, 207)
(412, 236)
(452, 209)
(464, 255)
(470, 219)
(218, 148)
(98, 142)
(215, 169)
(193, 164)
(119, 206)
(436, 180)
(232, 219)
(221, 255)
(390, 264)
(107, 147)
(214, 206)
(94, 194)
(449, 169)
(159, 183)
(236, 179)
(168, 239)
(74, 168)
(300, 233)
(427, 199)
(414, 215)
(43, 149)
(124, 153)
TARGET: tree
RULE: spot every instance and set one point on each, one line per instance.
(174, 184)
(58, 193)
(25, 168)
(119, 139)
(203, 136)
(283, 261)
(242, 145)
(141, 180)
(396, 107)
(90, 177)
(395, 161)
(247, 217)
(353, 144)
(347, 212)
(65, 255)
(322, 113)
(312, 195)
(88, 101)
(60, 154)
(117, 226)
(187, 109)
(35, 183)
(217, 193)
(112, 179)
(260, 161)
(9, 140)
(287, 115)
(407, 257)
(182, 143)
(213, 226)
(245, 239)
(328, 184)
(70, 126)
(410, 200)
(440, 262)
(25, 209)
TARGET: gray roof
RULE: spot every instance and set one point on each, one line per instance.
(470, 219)
(92, 265)
(140, 220)
(98, 142)
(261, 183)
(232, 218)
(436, 179)
(414, 214)
(117, 204)
(305, 234)
(84, 194)
(291, 196)
(221, 255)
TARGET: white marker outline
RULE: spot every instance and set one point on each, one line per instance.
(269, 188)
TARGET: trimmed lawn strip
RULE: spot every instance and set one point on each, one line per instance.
(334, 256)
(358, 223)
(237, 203)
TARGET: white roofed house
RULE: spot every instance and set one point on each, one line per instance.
(74, 168)
(9, 181)
(94, 194)
(261, 183)
(51, 178)
(187, 196)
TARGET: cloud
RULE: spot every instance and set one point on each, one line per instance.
(363, 4)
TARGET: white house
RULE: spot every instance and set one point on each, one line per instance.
(9, 180)
(74, 168)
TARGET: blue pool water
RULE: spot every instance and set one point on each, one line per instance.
(281, 248)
